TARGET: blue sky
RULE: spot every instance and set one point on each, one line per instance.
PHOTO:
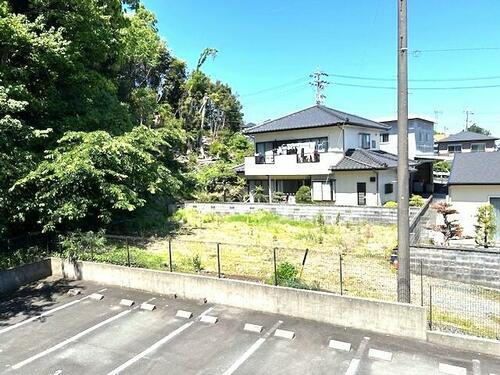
(267, 49)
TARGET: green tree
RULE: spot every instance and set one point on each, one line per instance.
(442, 166)
(220, 180)
(486, 226)
(477, 129)
(303, 195)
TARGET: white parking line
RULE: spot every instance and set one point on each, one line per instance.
(380, 354)
(340, 345)
(156, 345)
(452, 370)
(251, 350)
(353, 366)
(20, 324)
(72, 339)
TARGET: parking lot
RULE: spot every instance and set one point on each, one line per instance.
(107, 330)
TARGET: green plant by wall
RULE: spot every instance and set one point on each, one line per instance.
(486, 226)
(416, 201)
(391, 204)
(303, 195)
(258, 194)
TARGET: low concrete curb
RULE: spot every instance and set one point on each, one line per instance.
(467, 343)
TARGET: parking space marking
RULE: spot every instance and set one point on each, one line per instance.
(20, 324)
(380, 354)
(452, 370)
(73, 339)
(354, 364)
(476, 367)
(340, 345)
(256, 345)
(156, 345)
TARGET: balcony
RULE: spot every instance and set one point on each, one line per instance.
(291, 164)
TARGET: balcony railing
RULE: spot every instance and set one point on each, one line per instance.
(264, 159)
(308, 158)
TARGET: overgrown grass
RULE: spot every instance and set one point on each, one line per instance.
(453, 322)
(21, 256)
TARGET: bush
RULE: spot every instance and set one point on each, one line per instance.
(303, 195)
(416, 201)
(486, 226)
(278, 196)
(79, 245)
(442, 166)
(391, 204)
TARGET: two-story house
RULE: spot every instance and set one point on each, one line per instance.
(420, 137)
(465, 141)
(335, 153)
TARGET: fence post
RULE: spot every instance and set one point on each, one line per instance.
(128, 254)
(303, 263)
(275, 269)
(218, 259)
(421, 282)
(341, 275)
(430, 307)
(170, 254)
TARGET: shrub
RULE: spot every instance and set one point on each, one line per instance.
(442, 166)
(278, 196)
(416, 201)
(486, 225)
(391, 204)
(79, 245)
(196, 263)
(258, 194)
(303, 195)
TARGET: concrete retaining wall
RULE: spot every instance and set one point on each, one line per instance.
(13, 279)
(383, 317)
(467, 265)
(467, 343)
(380, 215)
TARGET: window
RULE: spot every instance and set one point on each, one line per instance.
(364, 140)
(388, 188)
(384, 138)
(374, 143)
(452, 149)
(427, 137)
(478, 147)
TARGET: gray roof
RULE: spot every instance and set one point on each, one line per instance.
(475, 168)
(465, 136)
(240, 168)
(314, 117)
(360, 159)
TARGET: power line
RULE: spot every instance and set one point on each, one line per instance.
(416, 80)
(320, 84)
(417, 52)
(418, 88)
(284, 85)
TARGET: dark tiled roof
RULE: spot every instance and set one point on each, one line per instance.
(314, 117)
(240, 168)
(476, 168)
(359, 159)
(465, 136)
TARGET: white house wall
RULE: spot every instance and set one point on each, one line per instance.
(388, 176)
(352, 136)
(466, 199)
(346, 187)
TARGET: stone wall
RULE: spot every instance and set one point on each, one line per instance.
(471, 266)
(379, 215)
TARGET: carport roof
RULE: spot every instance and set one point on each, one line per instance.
(477, 168)
(314, 117)
(360, 159)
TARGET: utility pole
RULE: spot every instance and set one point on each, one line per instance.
(403, 173)
(320, 84)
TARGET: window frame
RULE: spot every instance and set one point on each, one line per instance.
(382, 136)
(365, 137)
(454, 145)
(478, 144)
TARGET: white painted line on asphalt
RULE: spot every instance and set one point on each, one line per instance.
(476, 367)
(251, 350)
(353, 366)
(253, 328)
(20, 324)
(127, 302)
(380, 354)
(209, 319)
(96, 296)
(452, 370)
(184, 314)
(70, 340)
(284, 334)
(148, 306)
(155, 346)
(340, 345)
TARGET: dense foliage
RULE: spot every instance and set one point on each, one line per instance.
(442, 166)
(98, 118)
(486, 226)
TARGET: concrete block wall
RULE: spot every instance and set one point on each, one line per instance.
(384, 317)
(471, 266)
(379, 215)
(14, 278)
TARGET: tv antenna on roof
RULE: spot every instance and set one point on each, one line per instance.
(320, 83)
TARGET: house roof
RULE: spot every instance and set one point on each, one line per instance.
(475, 168)
(314, 117)
(466, 136)
(240, 168)
(360, 159)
